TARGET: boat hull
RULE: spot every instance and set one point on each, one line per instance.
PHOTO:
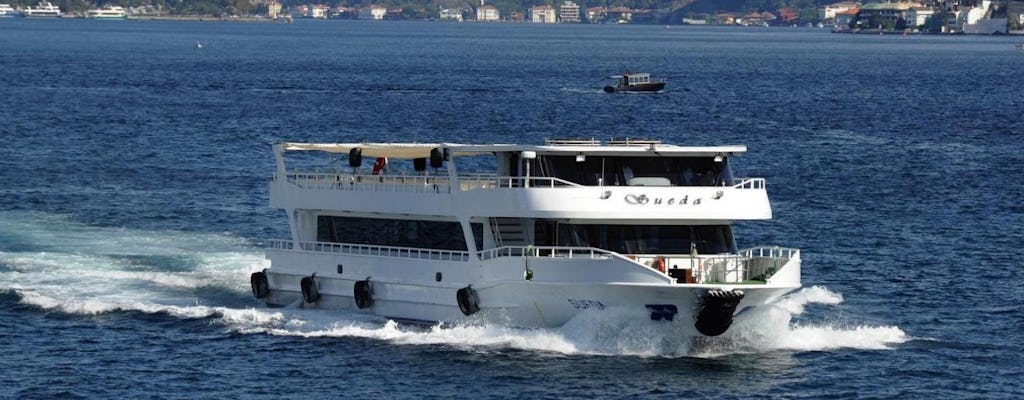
(426, 290)
(641, 87)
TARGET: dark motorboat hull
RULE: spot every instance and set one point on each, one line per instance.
(641, 87)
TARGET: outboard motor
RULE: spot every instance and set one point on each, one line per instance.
(715, 309)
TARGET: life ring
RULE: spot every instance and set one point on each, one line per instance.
(659, 264)
(310, 292)
(260, 286)
(469, 302)
(362, 293)
(380, 165)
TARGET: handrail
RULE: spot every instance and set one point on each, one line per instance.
(442, 184)
(417, 183)
(372, 183)
(545, 251)
(488, 181)
(748, 183)
(369, 250)
(771, 252)
(751, 263)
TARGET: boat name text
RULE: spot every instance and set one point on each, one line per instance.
(643, 199)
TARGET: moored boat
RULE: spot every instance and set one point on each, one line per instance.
(634, 82)
(523, 235)
(6, 11)
(108, 12)
(44, 9)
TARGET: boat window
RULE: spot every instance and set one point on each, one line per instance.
(440, 235)
(647, 171)
(642, 239)
(478, 234)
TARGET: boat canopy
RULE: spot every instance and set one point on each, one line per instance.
(422, 150)
(391, 150)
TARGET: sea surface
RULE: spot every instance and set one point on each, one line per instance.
(133, 205)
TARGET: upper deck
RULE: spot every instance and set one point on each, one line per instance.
(570, 179)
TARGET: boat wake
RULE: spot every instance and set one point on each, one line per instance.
(59, 265)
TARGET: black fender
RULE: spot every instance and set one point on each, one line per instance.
(362, 293)
(715, 309)
(310, 291)
(260, 285)
(469, 301)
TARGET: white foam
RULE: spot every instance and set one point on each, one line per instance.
(69, 267)
(61, 265)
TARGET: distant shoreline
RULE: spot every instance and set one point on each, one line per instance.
(200, 18)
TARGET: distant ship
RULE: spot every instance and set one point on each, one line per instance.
(634, 82)
(44, 9)
(108, 12)
(6, 11)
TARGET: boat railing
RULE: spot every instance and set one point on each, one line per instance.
(371, 183)
(752, 265)
(487, 181)
(748, 183)
(545, 251)
(369, 250)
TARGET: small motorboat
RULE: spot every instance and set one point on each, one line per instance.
(634, 82)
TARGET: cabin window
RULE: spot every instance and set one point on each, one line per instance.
(619, 171)
(440, 235)
(478, 234)
(641, 239)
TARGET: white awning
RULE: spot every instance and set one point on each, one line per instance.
(391, 150)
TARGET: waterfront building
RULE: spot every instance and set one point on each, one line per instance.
(725, 19)
(596, 14)
(918, 16)
(318, 11)
(622, 15)
(542, 14)
(569, 12)
(886, 11)
(973, 21)
(828, 12)
(273, 9)
(450, 14)
(844, 18)
(373, 12)
(488, 13)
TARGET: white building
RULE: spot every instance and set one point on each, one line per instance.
(487, 13)
(318, 11)
(917, 16)
(569, 12)
(450, 14)
(973, 21)
(828, 12)
(372, 12)
(543, 14)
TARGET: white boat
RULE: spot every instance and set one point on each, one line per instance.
(44, 9)
(521, 235)
(108, 12)
(6, 11)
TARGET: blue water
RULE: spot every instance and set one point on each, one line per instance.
(133, 205)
